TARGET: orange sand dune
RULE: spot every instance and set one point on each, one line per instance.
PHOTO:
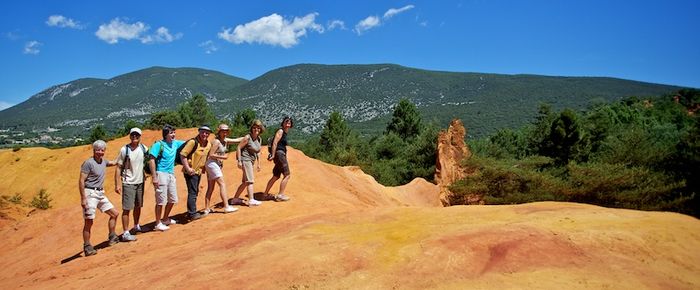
(341, 230)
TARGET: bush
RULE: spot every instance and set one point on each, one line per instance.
(42, 200)
(16, 199)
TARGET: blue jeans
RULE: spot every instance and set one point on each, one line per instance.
(192, 182)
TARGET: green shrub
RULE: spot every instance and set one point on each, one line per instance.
(16, 199)
(42, 200)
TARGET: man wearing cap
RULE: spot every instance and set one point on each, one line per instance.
(129, 179)
(193, 158)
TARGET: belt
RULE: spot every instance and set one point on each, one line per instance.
(95, 188)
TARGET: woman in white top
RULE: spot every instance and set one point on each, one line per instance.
(247, 153)
(214, 166)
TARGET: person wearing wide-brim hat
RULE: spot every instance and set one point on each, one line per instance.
(214, 167)
(193, 157)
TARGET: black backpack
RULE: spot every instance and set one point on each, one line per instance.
(146, 167)
(179, 149)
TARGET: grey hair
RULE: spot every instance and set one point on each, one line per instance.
(99, 144)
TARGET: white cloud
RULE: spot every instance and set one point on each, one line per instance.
(393, 11)
(32, 47)
(162, 36)
(374, 21)
(5, 105)
(423, 23)
(273, 30)
(367, 24)
(62, 21)
(118, 29)
(209, 47)
(335, 24)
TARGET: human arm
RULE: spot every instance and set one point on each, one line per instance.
(240, 147)
(118, 173)
(81, 189)
(212, 153)
(233, 140)
(152, 165)
(277, 138)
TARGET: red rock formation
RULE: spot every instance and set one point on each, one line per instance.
(448, 169)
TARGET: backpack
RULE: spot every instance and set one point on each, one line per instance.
(179, 149)
(146, 167)
(269, 142)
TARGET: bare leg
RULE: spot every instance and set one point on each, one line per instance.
(210, 190)
(251, 194)
(159, 210)
(222, 190)
(113, 214)
(168, 208)
(137, 215)
(283, 184)
(125, 219)
(86, 231)
(270, 183)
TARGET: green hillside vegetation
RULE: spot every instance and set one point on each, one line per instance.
(404, 151)
(639, 153)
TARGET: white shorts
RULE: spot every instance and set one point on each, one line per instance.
(96, 199)
(213, 170)
(167, 188)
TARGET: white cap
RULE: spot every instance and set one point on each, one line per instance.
(137, 130)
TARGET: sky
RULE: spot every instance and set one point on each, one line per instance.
(46, 43)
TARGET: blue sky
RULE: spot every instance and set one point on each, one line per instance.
(45, 43)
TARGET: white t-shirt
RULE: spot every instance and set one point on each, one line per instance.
(133, 171)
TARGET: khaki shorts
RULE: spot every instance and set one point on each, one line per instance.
(132, 196)
(248, 173)
(95, 199)
(167, 188)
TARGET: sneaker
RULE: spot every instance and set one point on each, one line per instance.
(169, 221)
(89, 250)
(207, 211)
(161, 227)
(281, 197)
(253, 202)
(137, 228)
(127, 237)
(229, 209)
(113, 239)
(196, 216)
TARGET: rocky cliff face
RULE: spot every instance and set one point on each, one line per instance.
(448, 169)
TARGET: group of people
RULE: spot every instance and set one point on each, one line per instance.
(197, 155)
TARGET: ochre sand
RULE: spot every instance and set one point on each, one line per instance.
(341, 230)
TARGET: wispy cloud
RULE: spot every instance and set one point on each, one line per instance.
(118, 29)
(11, 35)
(336, 24)
(162, 36)
(5, 105)
(367, 24)
(209, 47)
(393, 11)
(374, 21)
(272, 30)
(32, 47)
(62, 22)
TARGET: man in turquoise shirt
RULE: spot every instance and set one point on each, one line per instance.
(162, 155)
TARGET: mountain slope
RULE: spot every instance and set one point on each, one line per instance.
(83, 103)
(364, 94)
(367, 93)
(341, 230)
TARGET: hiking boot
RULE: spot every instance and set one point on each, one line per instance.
(229, 209)
(161, 227)
(89, 250)
(113, 239)
(281, 197)
(253, 202)
(127, 237)
(196, 216)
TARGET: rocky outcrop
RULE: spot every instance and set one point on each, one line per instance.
(448, 169)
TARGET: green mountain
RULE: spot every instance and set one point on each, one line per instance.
(76, 106)
(364, 94)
